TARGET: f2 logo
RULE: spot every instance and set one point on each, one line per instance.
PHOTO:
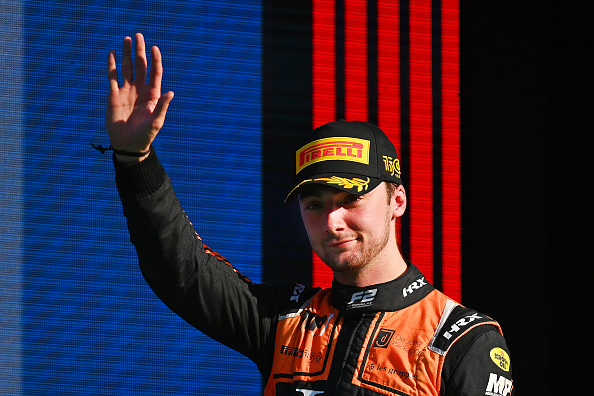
(365, 296)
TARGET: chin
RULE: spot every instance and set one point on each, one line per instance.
(345, 264)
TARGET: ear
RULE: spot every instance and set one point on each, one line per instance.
(399, 200)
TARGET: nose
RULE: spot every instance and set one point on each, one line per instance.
(335, 220)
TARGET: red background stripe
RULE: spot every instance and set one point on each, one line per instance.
(355, 31)
(324, 89)
(421, 139)
(388, 63)
(324, 62)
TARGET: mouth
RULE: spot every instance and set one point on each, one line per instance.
(341, 243)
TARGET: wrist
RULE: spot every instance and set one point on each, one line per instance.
(126, 159)
(125, 156)
(131, 157)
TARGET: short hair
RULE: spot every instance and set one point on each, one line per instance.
(390, 188)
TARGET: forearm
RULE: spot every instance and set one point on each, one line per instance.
(197, 285)
(158, 228)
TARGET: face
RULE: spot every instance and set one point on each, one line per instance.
(348, 232)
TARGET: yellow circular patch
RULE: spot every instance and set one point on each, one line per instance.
(500, 358)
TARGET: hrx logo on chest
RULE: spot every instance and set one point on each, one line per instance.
(414, 286)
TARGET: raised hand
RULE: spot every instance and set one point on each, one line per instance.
(135, 110)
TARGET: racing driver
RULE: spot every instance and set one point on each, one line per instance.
(381, 329)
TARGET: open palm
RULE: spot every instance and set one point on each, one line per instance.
(135, 110)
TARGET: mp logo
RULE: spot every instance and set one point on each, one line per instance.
(498, 386)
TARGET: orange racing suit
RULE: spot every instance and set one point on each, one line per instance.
(402, 337)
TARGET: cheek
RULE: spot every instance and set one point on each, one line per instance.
(370, 221)
(360, 218)
(309, 223)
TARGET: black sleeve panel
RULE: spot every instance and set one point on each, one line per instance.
(139, 179)
(193, 281)
(478, 364)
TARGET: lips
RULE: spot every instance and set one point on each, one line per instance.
(338, 243)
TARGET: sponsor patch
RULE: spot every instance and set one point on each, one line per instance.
(315, 323)
(362, 299)
(414, 286)
(392, 165)
(498, 386)
(335, 148)
(500, 358)
(297, 292)
(301, 353)
(455, 322)
(383, 338)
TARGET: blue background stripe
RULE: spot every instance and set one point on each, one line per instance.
(81, 318)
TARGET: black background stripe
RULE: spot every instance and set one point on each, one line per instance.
(287, 104)
(437, 131)
(372, 62)
(340, 60)
(405, 124)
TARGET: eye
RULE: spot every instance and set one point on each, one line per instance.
(312, 205)
(350, 199)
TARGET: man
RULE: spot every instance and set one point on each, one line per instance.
(380, 330)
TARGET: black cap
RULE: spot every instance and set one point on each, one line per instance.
(354, 156)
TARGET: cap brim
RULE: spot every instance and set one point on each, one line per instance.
(354, 184)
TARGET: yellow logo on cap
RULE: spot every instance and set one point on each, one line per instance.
(335, 148)
(392, 165)
(357, 183)
(500, 358)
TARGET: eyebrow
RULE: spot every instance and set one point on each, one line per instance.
(309, 193)
(316, 192)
